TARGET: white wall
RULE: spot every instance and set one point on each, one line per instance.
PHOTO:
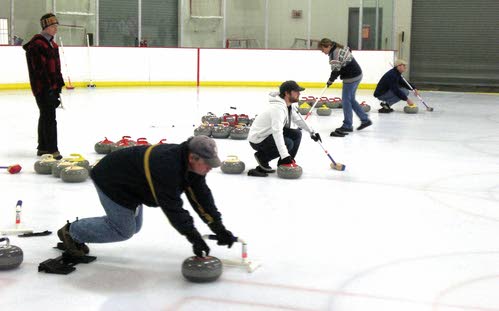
(179, 66)
(403, 15)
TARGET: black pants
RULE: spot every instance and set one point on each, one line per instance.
(267, 150)
(47, 124)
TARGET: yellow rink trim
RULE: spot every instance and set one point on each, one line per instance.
(21, 86)
(14, 86)
(277, 83)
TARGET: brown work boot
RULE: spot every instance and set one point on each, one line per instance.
(71, 246)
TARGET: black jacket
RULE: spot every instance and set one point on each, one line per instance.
(391, 80)
(348, 71)
(121, 176)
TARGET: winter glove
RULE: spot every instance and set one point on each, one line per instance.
(224, 236)
(286, 160)
(53, 98)
(329, 82)
(198, 244)
(316, 137)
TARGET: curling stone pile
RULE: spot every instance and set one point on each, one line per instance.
(334, 103)
(323, 106)
(202, 269)
(307, 99)
(234, 126)
(107, 146)
(73, 169)
(232, 165)
(10, 256)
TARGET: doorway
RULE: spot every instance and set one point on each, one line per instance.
(369, 35)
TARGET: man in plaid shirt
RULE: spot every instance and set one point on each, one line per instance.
(44, 66)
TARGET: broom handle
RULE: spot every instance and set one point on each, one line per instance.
(89, 62)
(65, 62)
(417, 95)
(320, 144)
(316, 101)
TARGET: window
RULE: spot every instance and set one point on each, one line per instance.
(4, 31)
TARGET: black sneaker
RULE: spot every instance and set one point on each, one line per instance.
(337, 134)
(264, 165)
(385, 108)
(343, 130)
(257, 172)
(363, 125)
(71, 246)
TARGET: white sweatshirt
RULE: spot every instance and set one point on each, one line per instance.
(272, 122)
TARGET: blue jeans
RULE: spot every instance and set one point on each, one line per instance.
(349, 103)
(119, 224)
(267, 150)
(390, 98)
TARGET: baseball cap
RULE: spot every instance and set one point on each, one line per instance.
(206, 148)
(289, 86)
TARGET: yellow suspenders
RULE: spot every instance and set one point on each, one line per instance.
(148, 172)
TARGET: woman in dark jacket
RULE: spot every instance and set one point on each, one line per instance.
(344, 65)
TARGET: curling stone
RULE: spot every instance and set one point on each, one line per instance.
(221, 131)
(232, 119)
(10, 256)
(321, 102)
(310, 100)
(365, 107)
(203, 129)
(411, 109)
(56, 169)
(78, 159)
(44, 166)
(142, 142)
(304, 108)
(210, 118)
(104, 146)
(243, 118)
(324, 111)
(202, 269)
(162, 141)
(232, 165)
(74, 174)
(124, 142)
(289, 171)
(334, 103)
(240, 132)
